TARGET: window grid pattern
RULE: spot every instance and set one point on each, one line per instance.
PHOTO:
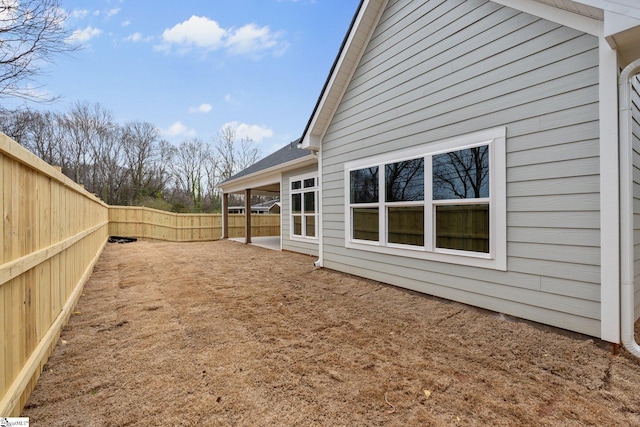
(304, 202)
(436, 202)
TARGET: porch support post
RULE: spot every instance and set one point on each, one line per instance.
(225, 215)
(247, 215)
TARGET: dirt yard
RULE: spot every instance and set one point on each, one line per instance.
(224, 334)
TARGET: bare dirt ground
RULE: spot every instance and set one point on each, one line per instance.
(224, 334)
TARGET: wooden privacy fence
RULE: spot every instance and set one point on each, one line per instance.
(52, 232)
(152, 224)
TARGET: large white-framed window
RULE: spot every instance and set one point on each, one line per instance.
(441, 201)
(303, 192)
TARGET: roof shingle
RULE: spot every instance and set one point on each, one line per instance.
(286, 154)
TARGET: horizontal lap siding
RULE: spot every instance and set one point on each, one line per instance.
(309, 247)
(635, 94)
(440, 69)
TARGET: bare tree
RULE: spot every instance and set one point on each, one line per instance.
(39, 132)
(128, 164)
(140, 147)
(162, 162)
(16, 125)
(108, 177)
(233, 155)
(46, 138)
(187, 168)
(211, 168)
(85, 125)
(247, 155)
(31, 33)
(226, 153)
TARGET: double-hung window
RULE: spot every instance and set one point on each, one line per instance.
(304, 216)
(443, 201)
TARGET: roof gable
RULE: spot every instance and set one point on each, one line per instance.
(362, 26)
(589, 16)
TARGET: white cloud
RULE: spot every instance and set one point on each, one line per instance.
(203, 33)
(112, 12)
(137, 37)
(82, 36)
(197, 31)
(228, 98)
(178, 129)
(79, 13)
(126, 23)
(251, 39)
(254, 132)
(202, 108)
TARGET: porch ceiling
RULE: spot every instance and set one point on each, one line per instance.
(267, 190)
(267, 183)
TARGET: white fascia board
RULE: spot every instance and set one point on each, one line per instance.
(266, 176)
(554, 14)
(312, 140)
(328, 104)
(629, 8)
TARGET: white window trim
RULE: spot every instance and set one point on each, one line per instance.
(302, 190)
(496, 258)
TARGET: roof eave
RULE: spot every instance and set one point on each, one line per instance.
(556, 14)
(623, 7)
(364, 22)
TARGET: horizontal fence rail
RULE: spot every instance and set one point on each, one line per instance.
(53, 232)
(153, 224)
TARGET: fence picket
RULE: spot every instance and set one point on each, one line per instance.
(52, 232)
(153, 224)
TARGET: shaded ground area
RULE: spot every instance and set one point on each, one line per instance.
(226, 334)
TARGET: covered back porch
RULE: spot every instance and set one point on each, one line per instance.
(269, 190)
(263, 178)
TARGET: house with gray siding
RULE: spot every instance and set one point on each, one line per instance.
(487, 152)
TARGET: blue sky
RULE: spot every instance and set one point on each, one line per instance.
(191, 67)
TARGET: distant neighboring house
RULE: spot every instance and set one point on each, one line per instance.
(270, 207)
(476, 151)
